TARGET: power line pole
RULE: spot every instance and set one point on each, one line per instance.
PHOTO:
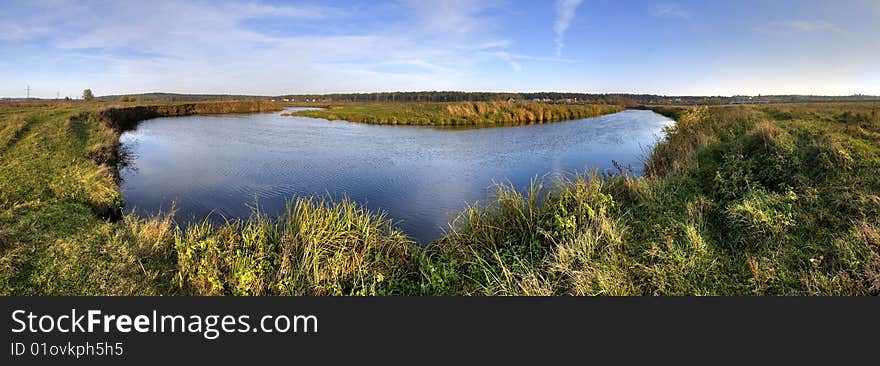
(28, 92)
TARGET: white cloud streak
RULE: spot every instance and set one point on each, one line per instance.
(565, 13)
(670, 10)
(452, 17)
(507, 57)
(196, 47)
(799, 25)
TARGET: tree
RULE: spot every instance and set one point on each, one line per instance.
(87, 95)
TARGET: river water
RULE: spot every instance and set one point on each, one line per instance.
(221, 165)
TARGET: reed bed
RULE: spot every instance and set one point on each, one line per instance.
(459, 114)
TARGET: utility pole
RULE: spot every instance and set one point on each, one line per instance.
(28, 92)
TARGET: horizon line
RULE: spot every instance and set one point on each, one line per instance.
(468, 92)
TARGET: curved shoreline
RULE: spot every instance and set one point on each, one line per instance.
(460, 114)
(117, 120)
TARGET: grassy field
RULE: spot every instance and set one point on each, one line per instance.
(738, 200)
(459, 114)
(58, 190)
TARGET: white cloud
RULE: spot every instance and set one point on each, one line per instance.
(14, 32)
(800, 26)
(507, 57)
(214, 47)
(513, 59)
(301, 11)
(453, 17)
(565, 12)
(670, 10)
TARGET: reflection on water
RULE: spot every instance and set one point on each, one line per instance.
(419, 176)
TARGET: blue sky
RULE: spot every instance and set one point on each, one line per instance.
(275, 47)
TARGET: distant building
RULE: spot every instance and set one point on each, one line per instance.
(750, 102)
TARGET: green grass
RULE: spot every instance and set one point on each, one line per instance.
(738, 200)
(56, 193)
(314, 248)
(459, 114)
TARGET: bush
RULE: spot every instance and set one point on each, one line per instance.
(771, 155)
(765, 158)
(761, 218)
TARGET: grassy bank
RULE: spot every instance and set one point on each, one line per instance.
(459, 114)
(745, 200)
(775, 200)
(58, 188)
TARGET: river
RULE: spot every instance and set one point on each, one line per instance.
(222, 165)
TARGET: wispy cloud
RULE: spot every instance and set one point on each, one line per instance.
(454, 17)
(565, 13)
(514, 60)
(670, 10)
(507, 57)
(283, 11)
(220, 46)
(799, 25)
(14, 32)
(275, 47)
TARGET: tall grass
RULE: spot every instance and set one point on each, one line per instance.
(459, 114)
(314, 248)
(736, 201)
(11, 130)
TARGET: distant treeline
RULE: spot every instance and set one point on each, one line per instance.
(171, 97)
(455, 96)
(566, 98)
